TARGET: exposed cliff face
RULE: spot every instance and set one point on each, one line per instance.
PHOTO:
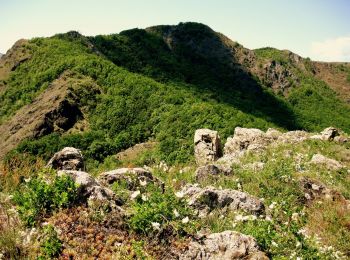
(58, 109)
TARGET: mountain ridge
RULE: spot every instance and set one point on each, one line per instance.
(267, 85)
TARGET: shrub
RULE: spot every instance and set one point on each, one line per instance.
(153, 211)
(39, 197)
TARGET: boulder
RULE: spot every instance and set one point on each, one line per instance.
(273, 133)
(207, 147)
(293, 137)
(330, 164)
(341, 139)
(133, 177)
(246, 139)
(316, 190)
(69, 158)
(207, 171)
(329, 133)
(224, 245)
(204, 200)
(89, 188)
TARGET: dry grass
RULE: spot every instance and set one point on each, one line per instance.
(16, 171)
(10, 246)
(330, 221)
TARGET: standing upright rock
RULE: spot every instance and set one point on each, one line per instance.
(207, 147)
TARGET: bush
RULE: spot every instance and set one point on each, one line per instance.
(154, 211)
(39, 197)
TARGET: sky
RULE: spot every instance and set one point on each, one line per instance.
(319, 29)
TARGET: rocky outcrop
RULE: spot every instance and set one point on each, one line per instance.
(315, 190)
(207, 171)
(293, 137)
(89, 188)
(278, 77)
(253, 140)
(204, 200)
(57, 109)
(330, 164)
(246, 139)
(224, 245)
(327, 134)
(69, 158)
(207, 147)
(132, 177)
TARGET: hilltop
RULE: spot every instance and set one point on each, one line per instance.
(135, 99)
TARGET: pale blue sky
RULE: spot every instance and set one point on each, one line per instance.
(319, 29)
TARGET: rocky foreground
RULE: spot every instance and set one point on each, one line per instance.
(114, 190)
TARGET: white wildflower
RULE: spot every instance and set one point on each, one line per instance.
(273, 243)
(239, 218)
(185, 220)
(135, 194)
(295, 216)
(144, 197)
(298, 258)
(143, 182)
(179, 194)
(155, 225)
(298, 244)
(268, 218)
(272, 205)
(176, 213)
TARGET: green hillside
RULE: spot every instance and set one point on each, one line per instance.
(152, 91)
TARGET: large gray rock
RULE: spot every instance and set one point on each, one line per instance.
(329, 133)
(207, 147)
(246, 139)
(222, 246)
(69, 158)
(293, 137)
(330, 164)
(132, 177)
(204, 200)
(89, 188)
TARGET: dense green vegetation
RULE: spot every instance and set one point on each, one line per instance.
(171, 93)
(38, 198)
